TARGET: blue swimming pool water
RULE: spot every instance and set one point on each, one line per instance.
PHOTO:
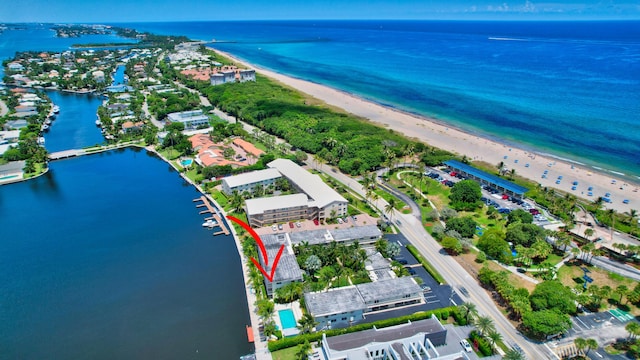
(8, 177)
(287, 319)
(186, 162)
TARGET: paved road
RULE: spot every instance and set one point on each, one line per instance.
(454, 274)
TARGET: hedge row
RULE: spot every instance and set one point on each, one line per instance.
(296, 340)
(425, 264)
(483, 344)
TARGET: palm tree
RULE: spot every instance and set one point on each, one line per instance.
(270, 328)
(306, 323)
(563, 239)
(265, 309)
(611, 215)
(588, 232)
(621, 290)
(591, 344)
(580, 344)
(513, 354)
(484, 324)
(469, 310)
(391, 204)
(494, 337)
(303, 351)
(633, 328)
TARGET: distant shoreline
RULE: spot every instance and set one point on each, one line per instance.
(475, 146)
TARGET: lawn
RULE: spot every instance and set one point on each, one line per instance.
(285, 354)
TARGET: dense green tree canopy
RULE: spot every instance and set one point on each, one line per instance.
(493, 244)
(552, 295)
(465, 195)
(519, 215)
(465, 226)
(541, 324)
(524, 234)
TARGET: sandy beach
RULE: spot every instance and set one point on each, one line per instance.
(526, 163)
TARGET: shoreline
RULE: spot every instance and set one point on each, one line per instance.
(528, 162)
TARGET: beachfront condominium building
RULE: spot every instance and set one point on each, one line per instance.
(415, 340)
(249, 181)
(287, 271)
(191, 119)
(246, 75)
(327, 201)
(345, 306)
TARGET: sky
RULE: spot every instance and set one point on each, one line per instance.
(92, 11)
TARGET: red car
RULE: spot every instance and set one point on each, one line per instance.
(290, 224)
(505, 196)
(315, 221)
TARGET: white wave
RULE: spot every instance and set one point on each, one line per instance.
(507, 39)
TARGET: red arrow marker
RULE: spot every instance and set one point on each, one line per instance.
(262, 249)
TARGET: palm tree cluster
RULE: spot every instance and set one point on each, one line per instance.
(582, 344)
(483, 324)
(326, 265)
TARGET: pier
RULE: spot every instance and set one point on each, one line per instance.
(215, 216)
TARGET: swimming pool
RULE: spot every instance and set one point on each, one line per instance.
(186, 162)
(9, 177)
(287, 319)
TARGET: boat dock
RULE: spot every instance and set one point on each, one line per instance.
(215, 216)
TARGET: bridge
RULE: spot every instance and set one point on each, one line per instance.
(65, 154)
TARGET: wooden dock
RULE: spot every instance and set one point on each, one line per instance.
(214, 215)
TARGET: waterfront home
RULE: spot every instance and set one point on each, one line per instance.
(191, 119)
(423, 339)
(15, 124)
(98, 76)
(277, 209)
(129, 127)
(287, 271)
(15, 66)
(9, 136)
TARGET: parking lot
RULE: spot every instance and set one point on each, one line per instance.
(490, 196)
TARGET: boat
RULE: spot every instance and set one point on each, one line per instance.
(41, 140)
(209, 223)
(98, 123)
(47, 122)
(56, 109)
(45, 127)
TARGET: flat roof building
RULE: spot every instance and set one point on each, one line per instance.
(484, 178)
(345, 307)
(287, 271)
(277, 209)
(413, 340)
(329, 203)
(248, 181)
(191, 119)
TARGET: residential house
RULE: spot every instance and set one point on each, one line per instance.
(191, 119)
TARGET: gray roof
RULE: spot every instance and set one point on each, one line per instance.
(389, 334)
(12, 167)
(313, 237)
(260, 205)
(288, 268)
(334, 301)
(388, 289)
(251, 177)
(324, 236)
(376, 260)
(321, 194)
(356, 232)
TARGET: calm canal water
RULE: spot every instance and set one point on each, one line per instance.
(104, 257)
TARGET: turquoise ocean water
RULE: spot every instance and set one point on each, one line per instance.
(571, 89)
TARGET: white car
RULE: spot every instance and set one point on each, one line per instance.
(465, 345)
(274, 228)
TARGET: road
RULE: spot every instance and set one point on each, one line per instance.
(450, 269)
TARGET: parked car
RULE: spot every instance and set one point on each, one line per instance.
(291, 224)
(298, 224)
(465, 345)
(315, 221)
(280, 227)
(274, 228)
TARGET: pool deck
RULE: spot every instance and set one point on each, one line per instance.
(297, 314)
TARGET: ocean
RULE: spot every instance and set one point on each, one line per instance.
(104, 257)
(570, 89)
